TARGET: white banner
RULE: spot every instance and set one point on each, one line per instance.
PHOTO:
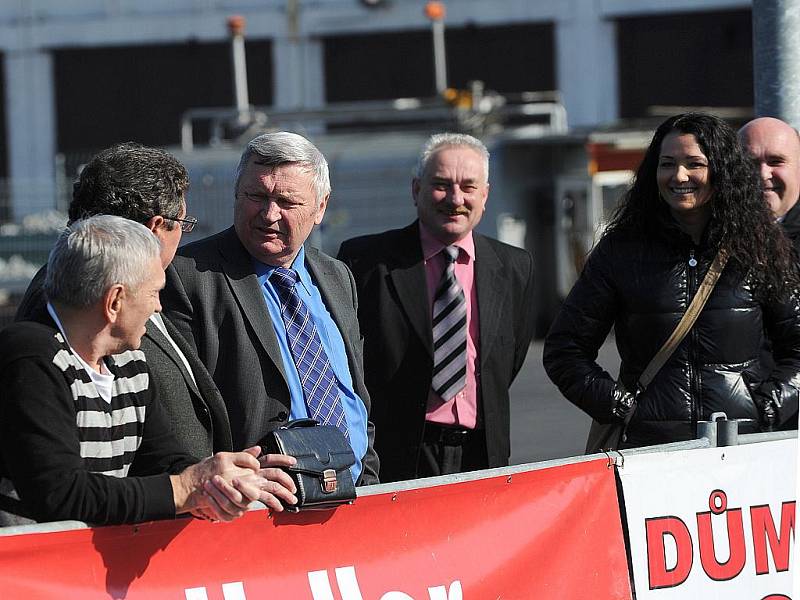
(712, 523)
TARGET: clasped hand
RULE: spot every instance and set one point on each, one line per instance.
(221, 487)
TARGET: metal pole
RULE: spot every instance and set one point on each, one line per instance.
(187, 135)
(439, 59)
(776, 59)
(236, 28)
(435, 12)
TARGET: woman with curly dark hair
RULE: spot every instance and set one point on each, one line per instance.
(695, 194)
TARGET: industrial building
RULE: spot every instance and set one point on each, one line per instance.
(80, 76)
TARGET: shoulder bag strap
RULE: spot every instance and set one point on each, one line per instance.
(687, 321)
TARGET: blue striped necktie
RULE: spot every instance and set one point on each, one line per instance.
(449, 331)
(320, 385)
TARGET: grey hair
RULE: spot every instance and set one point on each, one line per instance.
(282, 147)
(95, 253)
(444, 140)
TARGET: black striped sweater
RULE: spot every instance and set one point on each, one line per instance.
(69, 453)
(109, 432)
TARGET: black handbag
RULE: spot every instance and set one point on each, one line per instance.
(324, 457)
(604, 436)
(608, 436)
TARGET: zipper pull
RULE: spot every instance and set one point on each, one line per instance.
(692, 259)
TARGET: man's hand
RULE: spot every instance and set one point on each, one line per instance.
(194, 489)
(271, 485)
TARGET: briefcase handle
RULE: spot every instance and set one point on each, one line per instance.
(290, 425)
(300, 423)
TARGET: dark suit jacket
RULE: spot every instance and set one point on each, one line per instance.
(395, 319)
(791, 225)
(214, 298)
(196, 413)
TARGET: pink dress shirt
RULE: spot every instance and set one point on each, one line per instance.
(462, 409)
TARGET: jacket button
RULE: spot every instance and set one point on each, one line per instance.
(283, 415)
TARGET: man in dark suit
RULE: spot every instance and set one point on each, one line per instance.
(147, 185)
(260, 306)
(447, 320)
(81, 434)
(775, 146)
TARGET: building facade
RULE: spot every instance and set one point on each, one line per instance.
(78, 76)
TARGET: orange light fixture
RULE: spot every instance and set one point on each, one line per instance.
(236, 24)
(435, 10)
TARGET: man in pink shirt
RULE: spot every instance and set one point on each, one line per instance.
(447, 318)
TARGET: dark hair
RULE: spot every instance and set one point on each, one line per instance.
(132, 181)
(741, 221)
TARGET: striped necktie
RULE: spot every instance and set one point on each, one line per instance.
(449, 331)
(320, 385)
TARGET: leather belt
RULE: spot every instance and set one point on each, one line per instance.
(448, 436)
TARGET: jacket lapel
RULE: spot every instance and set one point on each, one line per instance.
(238, 267)
(407, 274)
(207, 389)
(160, 340)
(492, 289)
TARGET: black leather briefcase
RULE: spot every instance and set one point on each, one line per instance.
(324, 457)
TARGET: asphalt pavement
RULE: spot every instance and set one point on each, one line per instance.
(545, 425)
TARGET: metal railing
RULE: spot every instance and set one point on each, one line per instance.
(466, 110)
(614, 457)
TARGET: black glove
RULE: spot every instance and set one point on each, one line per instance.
(623, 402)
(767, 400)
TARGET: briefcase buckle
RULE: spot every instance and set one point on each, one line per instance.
(329, 482)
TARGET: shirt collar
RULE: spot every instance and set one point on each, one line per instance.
(53, 315)
(104, 373)
(432, 246)
(264, 271)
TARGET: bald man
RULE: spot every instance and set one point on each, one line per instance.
(775, 146)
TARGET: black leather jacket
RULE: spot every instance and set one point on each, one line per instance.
(642, 285)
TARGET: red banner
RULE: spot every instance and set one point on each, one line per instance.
(548, 533)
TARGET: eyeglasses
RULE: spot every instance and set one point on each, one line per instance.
(187, 224)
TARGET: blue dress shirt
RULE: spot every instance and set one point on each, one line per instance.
(354, 409)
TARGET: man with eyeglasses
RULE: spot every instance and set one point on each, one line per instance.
(147, 185)
(82, 434)
(186, 224)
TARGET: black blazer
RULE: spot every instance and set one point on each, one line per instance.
(395, 319)
(196, 412)
(214, 298)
